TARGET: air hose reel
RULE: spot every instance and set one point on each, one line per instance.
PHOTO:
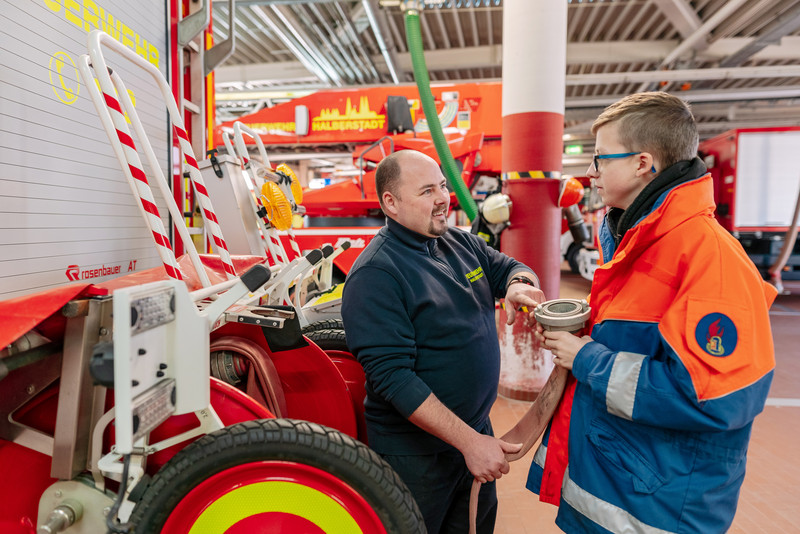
(568, 315)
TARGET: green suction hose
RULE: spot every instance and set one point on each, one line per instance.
(451, 172)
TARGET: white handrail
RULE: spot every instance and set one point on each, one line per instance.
(117, 131)
(98, 38)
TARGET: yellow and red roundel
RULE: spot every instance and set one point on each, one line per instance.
(292, 498)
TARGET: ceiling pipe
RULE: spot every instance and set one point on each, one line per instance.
(394, 47)
(251, 3)
(299, 53)
(327, 46)
(682, 16)
(343, 36)
(699, 35)
(376, 29)
(336, 40)
(787, 23)
(610, 78)
(728, 95)
(718, 95)
(354, 36)
(309, 47)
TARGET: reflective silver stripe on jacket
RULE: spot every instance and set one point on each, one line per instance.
(621, 391)
(605, 514)
(540, 455)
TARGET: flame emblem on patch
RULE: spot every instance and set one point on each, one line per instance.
(714, 337)
(716, 334)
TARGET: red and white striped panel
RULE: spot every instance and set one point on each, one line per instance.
(201, 193)
(145, 194)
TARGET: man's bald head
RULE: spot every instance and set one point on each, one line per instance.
(389, 170)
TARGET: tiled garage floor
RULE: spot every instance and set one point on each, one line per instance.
(771, 492)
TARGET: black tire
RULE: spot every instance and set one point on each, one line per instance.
(329, 339)
(572, 257)
(325, 324)
(280, 440)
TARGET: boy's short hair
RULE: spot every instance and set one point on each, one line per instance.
(654, 122)
(387, 175)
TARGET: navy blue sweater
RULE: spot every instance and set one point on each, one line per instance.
(419, 315)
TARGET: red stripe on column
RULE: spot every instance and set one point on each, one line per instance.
(180, 132)
(533, 141)
(138, 173)
(149, 207)
(162, 240)
(173, 272)
(210, 216)
(220, 243)
(191, 161)
(200, 188)
(126, 139)
(112, 102)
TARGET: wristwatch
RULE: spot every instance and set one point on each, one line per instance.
(523, 280)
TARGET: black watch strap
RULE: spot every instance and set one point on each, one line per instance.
(521, 279)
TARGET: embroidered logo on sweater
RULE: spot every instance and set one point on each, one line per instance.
(477, 274)
(716, 334)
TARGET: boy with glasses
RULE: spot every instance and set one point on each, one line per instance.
(652, 433)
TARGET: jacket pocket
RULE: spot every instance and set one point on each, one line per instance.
(623, 458)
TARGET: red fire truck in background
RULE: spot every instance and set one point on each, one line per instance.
(380, 120)
(755, 173)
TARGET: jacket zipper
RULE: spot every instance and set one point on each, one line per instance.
(445, 267)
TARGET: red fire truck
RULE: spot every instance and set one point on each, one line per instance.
(756, 184)
(141, 390)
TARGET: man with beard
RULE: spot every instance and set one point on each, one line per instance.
(419, 314)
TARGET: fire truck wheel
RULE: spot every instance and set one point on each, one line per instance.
(326, 324)
(329, 339)
(294, 476)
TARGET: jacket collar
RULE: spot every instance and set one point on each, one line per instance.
(619, 221)
(408, 237)
(674, 207)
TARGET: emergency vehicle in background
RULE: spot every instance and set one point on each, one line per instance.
(381, 120)
(109, 418)
(756, 182)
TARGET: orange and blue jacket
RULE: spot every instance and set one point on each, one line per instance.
(665, 395)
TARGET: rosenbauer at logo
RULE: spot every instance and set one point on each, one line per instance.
(75, 273)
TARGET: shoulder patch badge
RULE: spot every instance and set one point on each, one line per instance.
(716, 334)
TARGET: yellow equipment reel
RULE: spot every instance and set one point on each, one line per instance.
(297, 189)
(279, 211)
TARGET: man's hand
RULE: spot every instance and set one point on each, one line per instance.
(486, 457)
(563, 345)
(519, 295)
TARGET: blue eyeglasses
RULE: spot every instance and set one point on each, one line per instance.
(597, 157)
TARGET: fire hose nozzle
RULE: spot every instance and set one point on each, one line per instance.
(569, 315)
